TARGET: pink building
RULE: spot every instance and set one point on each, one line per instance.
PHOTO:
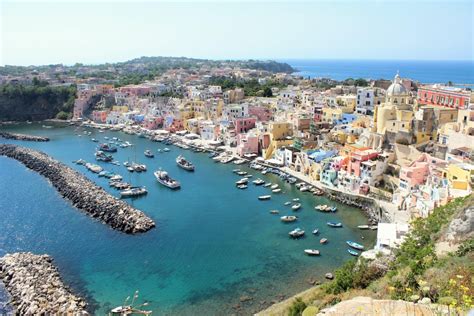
(263, 114)
(357, 157)
(420, 169)
(244, 124)
(153, 123)
(247, 144)
(99, 116)
(135, 90)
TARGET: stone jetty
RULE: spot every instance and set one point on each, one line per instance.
(35, 286)
(83, 193)
(15, 136)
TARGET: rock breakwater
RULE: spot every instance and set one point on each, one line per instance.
(35, 286)
(83, 193)
(15, 136)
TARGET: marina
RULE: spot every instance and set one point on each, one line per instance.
(158, 261)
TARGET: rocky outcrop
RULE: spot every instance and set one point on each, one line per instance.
(83, 193)
(15, 136)
(35, 286)
(369, 307)
(461, 228)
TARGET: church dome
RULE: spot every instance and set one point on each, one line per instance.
(396, 88)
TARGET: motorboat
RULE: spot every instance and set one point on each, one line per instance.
(296, 207)
(166, 149)
(274, 212)
(183, 163)
(334, 224)
(108, 148)
(139, 167)
(116, 177)
(323, 240)
(242, 181)
(242, 186)
(292, 180)
(93, 168)
(287, 203)
(355, 245)
(322, 208)
(80, 162)
(315, 232)
(133, 191)
(296, 200)
(373, 227)
(363, 226)
(353, 252)
(274, 186)
(149, 154)
(264, 197)
(240, 161)
(102, 156)
(311, 252)
(276, 190)
(94, 140)
(242, 173)
(318, 192)
(106, 174)
(236, 170)
(258, 181)
(296, 233)
(227, 159)
(163, 178)
(304, 188)
(288, 218)
(130, 169)
(266, 185)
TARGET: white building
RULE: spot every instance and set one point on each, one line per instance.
(367, 98)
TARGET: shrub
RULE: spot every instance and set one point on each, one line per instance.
(297, 308)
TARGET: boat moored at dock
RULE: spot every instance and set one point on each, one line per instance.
(355, 245)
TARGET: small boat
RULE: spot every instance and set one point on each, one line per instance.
(108, 148)
(266, 185)
(80, 162)
(139, 167)
(264, 197)
(323, 240)
(258, 181)
(101, 156)
(333, 209)
(296, 200)
(355, 245)
(183, 163)
(240, 161)
(236, 170)
(242, 186)
(242, 181)
(353, 252)
(363, 226)
(242, 173)
(292, 180)
(166, 149)
(130, 169)
(287, 203)
(296, 207)
(276, 190)
(334, 224)
(226, 159)
(296, 233)
(94, 140)
(274, 186)
(149, 154)
(311, 252)
(304, 188)
(163, 178)
(93, 168)
(159, 150)
(274, 212)
(316, 231)
(288, 218)
(318, 192)
(106, 174)
(133, 191)
(373, 227)
(116, 177)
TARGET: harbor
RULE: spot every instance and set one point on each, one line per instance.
(200, 228)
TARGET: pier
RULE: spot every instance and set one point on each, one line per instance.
(81, 192)
(35, 286)
(25, 137)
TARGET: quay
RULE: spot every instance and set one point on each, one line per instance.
(25, 137)
(81, 192)
(36, 288)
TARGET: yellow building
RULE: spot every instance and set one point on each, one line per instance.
(331, 114)
(279, 136)
(460, 175)
(120, 108)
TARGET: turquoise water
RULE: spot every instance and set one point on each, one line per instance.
(213, 243)
(461, 72)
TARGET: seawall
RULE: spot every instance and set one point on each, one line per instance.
(15, 136)
(83, 193)
(35, 286)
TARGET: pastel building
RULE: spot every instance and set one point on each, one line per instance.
(247, 144)
(244, 124)
(439, 95)
(262, 113)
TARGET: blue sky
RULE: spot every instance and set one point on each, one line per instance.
(39, 32)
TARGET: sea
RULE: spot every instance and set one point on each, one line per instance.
(458, 72)
(213, 244)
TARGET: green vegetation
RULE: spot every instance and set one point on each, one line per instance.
(251, 87)
(36, 102)
(297, 307)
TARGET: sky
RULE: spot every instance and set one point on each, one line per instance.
(38, 32)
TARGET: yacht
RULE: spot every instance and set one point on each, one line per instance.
(296, 233)
(258, 181)
(242, 181)
(311, 252)
(264, 197)
(149, 154)
(288, 218)
(163, 178)
(108, 148)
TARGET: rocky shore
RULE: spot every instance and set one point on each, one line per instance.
(35, 286)
(83, 193)
(15, 136)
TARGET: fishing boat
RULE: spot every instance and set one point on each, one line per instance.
(264, 197)
(274, 186)
(149, 154)
(323, 240)
(133, 191)
(242, 186)
(355, 245)
(353, 252)
(296, 207)
(296, 233)
(258, 181)
(287, 203)
(102, 156)
(276, 190)
(274, 212)
(163, 178)
(288, 218)
(334, 224)
(311, 252)
(183, 163)
(107, 148)
(315, 232)
(242, 181)
(363, 226)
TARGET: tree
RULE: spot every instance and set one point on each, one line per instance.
(267, 92)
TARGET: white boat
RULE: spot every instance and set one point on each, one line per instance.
(240, 161)
(296, 200)
(276, 190)
(304, 188)
(266, 185)
(274, 186)
(227, 159)
(242, 186)
(134, 191)
(274, 212)
(363, 226)
(316, 231)
(183, 163)
(296, 233)
(242, 181)
(166, 149)
(288, 218)
(287, 203)
(258, 181)
(93, 168)
(242, 173)
(296, 207)
(116, 177)
(311, 252)
(264, 197)
(163, 178)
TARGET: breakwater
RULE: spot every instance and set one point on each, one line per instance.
(83, 193)
(15, 136)
(35, 286)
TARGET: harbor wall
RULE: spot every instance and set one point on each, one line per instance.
(35, 287)
(15, 136)
(81, 192)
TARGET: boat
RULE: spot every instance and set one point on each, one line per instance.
(373, 227)
(264, 197)
(94, 140)
(355, 245)
(139, 167)
(287, 203)
(304, 188)
(130, 169)
(274, 212)
(236, 170)
(288, 218)
(296, 233)
(242, 186)
(149, 154)
(321, 207)
(296, 200)
(80, 162)
(315, 232)
(296, 207)
(323, 240)
(258, 181)
(276, 190)
(353, 252)
(226, 159)
(333, 209)
(291, 180)
(116, 177)
(318, 192)
(107, 148)
(163, 178)
(266, 185)
(334, 224)
(93, 168)
(240, 161)
(102, 156)
(242, 181)
(241, 173)
(166, 149)
(133, 191)
(183, 163)
(106, 174)
(274, 186)
(311, 252)
(363, 226)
